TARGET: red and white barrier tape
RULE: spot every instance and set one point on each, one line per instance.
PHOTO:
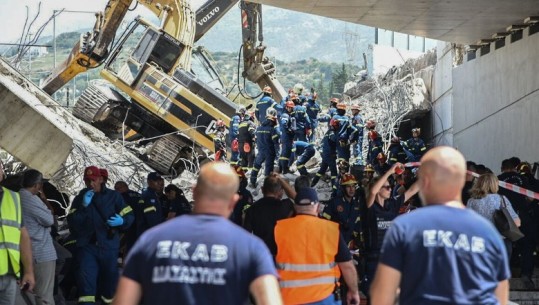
(505, 185)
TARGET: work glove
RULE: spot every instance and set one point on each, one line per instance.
(308, 132)
(87, 199)
(115, 221)
(343, 143)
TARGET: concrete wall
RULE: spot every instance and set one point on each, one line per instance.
(442, 97)
(495, 101)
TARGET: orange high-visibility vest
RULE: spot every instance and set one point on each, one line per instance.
(306, 249)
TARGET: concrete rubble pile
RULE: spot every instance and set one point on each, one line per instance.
(404, 92)
(64, 160)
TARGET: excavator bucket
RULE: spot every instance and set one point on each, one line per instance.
(25, 131)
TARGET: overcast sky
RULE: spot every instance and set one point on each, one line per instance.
(13, 15)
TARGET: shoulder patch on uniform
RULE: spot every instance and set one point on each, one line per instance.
(340, 208)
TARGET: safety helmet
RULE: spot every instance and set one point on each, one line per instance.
(368, 168)
(524, 168)
(343, 165)
(298, 88)
(370, 124)
(373, 135)
(267, 89)
(341, 106)
(355, 107)
(334, 123)
(220, 124)
(348, 179)
(239, 171)
(271, 111)
(381, 157)
(290, 104)
(242, 110)
(416, 130)
(334, 100)
(247, 116)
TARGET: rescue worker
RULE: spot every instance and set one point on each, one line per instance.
(346, 134)
(313, 109)
(381, 167)
(135, 201)
(96, 217)
(265, 102)
(345, 208)
(267, 138)
(332, 111)
(396, 153)
(312, 255)
(298, 91)
(329, 154)
(152, 209)
(233, 131)
(368, 175)
(303, 128)
(375, 146)
(305, 151)
(415, 147)
(245, 198)
(287, 126)
(219, 141)
(357, 122)
(16, 247)
(343, 168)
(246, 141)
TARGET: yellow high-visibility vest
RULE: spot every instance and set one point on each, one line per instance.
(10, 233)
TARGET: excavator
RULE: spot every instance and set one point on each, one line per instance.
(152, 91)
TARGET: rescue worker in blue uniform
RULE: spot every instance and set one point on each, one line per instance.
(135, 201)
(345, 208)
(96, 217)
(233, 131)
(375, 142)
(329, 154)
(381, 167)
(357, 122)
(415, 147)
(246, 140)
(396, 153)
(303, 124)
(305, 151)
(219, 141)
(313, 109)
(346, 134)
(286, 125)
(332, 111)
(263, 104)
(246, 198)
(298, 91)
(267, 137)
(152, 208)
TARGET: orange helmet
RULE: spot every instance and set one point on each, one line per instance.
(341, 106)
(267, 89)
(373, 135)
(334, 100)
(355, 107)
(368, 168)
(348, 179)
(220, 124)
(290, 103)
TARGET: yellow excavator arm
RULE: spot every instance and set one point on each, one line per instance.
(92, 50)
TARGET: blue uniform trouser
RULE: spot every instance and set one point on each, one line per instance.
(97, 262)
(343, 152)
(304, 158)
(268, 158)
(286, 152)
(314, 124)
(234, 157)
(300, 135)
(358, 151)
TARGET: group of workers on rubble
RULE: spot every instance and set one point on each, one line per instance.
(283, 133)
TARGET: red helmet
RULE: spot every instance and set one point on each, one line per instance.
(220, 124)
(334, 100)
(267, 89)
(334, 123)
(348, 179)
(341, 106)
(290, 103)
(373, 135)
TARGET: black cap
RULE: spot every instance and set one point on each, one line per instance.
(306, 196)
(32, 177)
(154, 176)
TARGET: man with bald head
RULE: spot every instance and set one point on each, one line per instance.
(201, 258)
(442, 253)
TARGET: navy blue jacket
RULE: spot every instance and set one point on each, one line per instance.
(267, 138)
(262, 106)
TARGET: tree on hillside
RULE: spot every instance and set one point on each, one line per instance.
(339, 80)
